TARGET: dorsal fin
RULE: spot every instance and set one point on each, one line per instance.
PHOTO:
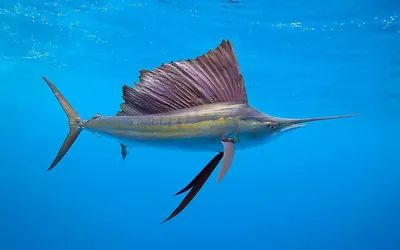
(213, 77)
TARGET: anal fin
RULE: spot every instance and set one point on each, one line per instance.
(124, 151)
(195, 185)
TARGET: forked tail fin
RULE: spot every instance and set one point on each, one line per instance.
(73, 119)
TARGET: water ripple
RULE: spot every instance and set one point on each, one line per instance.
(55, 31)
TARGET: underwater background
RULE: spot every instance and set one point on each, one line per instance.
(332, 185)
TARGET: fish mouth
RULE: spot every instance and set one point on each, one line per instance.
(290, 127)
(293, 126)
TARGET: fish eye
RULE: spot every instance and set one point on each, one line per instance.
(271, 127)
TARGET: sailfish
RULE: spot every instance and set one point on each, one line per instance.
(197, 104)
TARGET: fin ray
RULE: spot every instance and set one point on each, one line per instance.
(213, 77)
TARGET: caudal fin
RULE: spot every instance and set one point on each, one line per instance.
(73, 120)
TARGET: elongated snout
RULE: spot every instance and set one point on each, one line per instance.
(288, 122)
(279, 125)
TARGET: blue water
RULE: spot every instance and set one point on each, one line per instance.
(331, 185)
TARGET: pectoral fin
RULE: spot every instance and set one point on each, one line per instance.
(229, 152)
(195, 185)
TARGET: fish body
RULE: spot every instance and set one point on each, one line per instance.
(196, 105)
(195, 129)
